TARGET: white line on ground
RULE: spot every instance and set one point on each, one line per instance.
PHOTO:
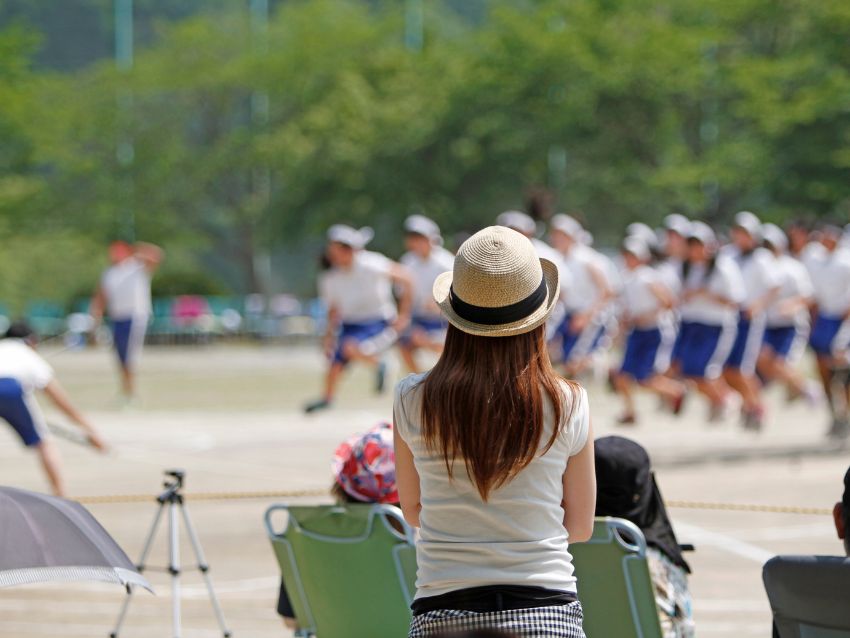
(700, 536)
(820, 530)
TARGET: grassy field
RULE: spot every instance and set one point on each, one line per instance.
(230, 416)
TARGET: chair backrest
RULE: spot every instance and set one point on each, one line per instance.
(348, 572)
(614, 584)
(809, 595)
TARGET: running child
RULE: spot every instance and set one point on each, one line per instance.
(761, 288)
(363, 320)
(830, 338)
(711, 293)
(22, 372)
(124, 294)
(587, 299)
(646, 304)
(425, 260)
(787, 318)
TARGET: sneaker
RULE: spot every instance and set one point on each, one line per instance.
(717, 412)
(381, 377)
(315, 406)
(813, 394)
(627, 419)
(753, 419)
(839, 430)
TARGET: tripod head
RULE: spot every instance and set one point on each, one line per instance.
(173, 485)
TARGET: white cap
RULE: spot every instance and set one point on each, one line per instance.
(586, 238)
(421, 225)
(678, 224)
(518, 221)
(702, 232)
(748, 222)
(356, 238)
(567, 225)
(643, 232)
(775, 235)
(636, 246)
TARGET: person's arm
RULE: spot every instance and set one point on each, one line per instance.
(762, 303)
(663, 294)
(407, 480)
(401, 278)
(97, 307)
(150, 255)
(59, 397)
(580, 492)
(581, 320)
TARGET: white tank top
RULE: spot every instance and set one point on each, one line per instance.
(517, 537)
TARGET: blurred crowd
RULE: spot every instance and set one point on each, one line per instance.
(692, 309)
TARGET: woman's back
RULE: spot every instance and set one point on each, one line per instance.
(483, 445)
(518, 533)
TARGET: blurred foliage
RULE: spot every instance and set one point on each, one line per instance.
(173, 283)
(250, 141)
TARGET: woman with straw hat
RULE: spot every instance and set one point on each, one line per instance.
(494, 453)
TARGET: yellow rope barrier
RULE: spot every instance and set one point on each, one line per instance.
(282, 494)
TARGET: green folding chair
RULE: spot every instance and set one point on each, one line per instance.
(614, 584)
(348, 572)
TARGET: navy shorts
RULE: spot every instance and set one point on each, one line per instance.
(575, 345)
(128, 335)
(701, 349)
(641, 353)
(15, 411)
(824, 332)
(435, 328)
(372, 337)
(748, 342)
(780, 339)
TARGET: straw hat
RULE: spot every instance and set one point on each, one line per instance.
(499, 287)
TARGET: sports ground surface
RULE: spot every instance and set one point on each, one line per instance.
(230, 416)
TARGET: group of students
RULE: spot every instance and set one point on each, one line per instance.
(689, 309)
(496, 465)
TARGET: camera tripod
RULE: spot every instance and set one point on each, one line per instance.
(172, 498)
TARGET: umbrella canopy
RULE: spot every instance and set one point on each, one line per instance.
(50, 539)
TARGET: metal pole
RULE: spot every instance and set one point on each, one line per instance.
(143, 559)
(204, 568)
(414, 25)
(124, 148)
(174, 565)
(261, 175)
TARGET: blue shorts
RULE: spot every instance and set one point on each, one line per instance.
(14, 410)
(578, 344)
(374, 335)
(780, 339)
(434, 328)
(641, 352)
(701, 349)
(748, 342)
(128, 335)
(822, 339)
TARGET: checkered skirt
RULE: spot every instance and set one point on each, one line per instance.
(557, 621)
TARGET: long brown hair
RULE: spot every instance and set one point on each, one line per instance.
(483, 403)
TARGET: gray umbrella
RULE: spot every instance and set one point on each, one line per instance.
(50, 539)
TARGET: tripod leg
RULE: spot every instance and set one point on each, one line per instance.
(204, 569)
(146, 548)
(174, 566)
